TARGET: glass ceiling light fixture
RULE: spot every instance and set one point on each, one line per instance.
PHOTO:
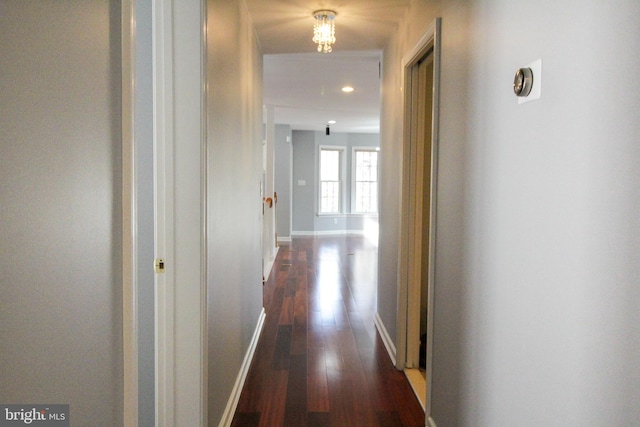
(324, 29)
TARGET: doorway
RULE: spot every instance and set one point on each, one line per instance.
(419, 220)
(268, 194)
(417, 248)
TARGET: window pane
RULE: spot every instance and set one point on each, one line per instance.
(366, 185)
(330, 180)
(329, 196)
(366, 166)
(329, 165)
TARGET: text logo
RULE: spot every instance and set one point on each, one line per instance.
(34, 415)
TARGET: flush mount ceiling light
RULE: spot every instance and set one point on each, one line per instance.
(324, 29)
(348, 89)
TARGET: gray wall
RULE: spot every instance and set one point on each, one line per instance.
(143, 139)
(306, 146)
(303, 196)
(60, 198)
(234, 206)
(283, 155)
(537, 270)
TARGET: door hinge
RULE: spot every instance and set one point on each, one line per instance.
(159, 265)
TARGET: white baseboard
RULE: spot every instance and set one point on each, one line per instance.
(431, 423)
(386, 339)
(232, 404)
(284, 240)
(329, 233)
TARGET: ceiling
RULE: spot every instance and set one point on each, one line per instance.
(305, 86)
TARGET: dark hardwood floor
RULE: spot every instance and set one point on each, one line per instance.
(319, 361)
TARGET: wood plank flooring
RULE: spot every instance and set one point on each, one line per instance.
(320, 362)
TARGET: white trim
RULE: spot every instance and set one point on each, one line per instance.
(434, 210)
(284, 240)
(386, 339)
(181, 376)
(431, 422)
(329, 233)
(129, 250)
(232, 403)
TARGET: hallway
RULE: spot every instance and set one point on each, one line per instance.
(320, 361)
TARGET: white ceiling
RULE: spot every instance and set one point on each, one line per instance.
(303, 85)
(306, 90)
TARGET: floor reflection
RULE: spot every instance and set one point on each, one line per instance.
(319, 361)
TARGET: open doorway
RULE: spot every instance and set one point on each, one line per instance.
(419, 220)
(417, 250)
(268, 194)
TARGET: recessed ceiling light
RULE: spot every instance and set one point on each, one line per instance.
(332, 122)
(347, 89)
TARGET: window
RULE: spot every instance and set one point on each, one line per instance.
(330, 180)
(365, 188)
(345, 191)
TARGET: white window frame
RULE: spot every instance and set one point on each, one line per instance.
(353, 178)
(341, 188)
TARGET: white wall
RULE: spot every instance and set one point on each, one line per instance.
(537, 296)
(60, 207)
(234, 206)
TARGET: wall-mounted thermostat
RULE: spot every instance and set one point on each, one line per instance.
(527, 83)
(523, 81)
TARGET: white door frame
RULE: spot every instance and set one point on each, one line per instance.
(180, 341)
(179, 60)
(269, 243)
(429, 41)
